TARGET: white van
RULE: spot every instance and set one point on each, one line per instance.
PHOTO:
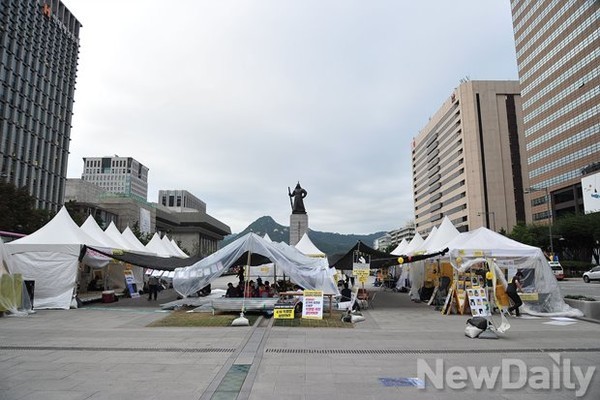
(557, 269)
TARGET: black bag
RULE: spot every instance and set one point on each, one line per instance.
(479, 322)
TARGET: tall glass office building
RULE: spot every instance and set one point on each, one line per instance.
(558, 47)
(39, 47)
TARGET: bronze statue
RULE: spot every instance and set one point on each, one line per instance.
(298, 194)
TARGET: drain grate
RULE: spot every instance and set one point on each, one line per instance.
(120, 349)
(232, 382)
(430, 351)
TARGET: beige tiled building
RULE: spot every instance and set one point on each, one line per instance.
(468, 161)
(558, 49)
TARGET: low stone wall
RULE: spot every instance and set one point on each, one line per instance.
(591, 309)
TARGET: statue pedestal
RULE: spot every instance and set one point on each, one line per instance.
(298, 227)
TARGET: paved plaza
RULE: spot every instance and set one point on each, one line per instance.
(108, 352)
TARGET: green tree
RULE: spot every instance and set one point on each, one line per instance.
(521, 233)
(75, 212)
(142, 237)
(579, 234)
(17, 210)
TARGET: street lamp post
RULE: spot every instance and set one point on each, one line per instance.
(549, 202)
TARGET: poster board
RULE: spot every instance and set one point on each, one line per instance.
(283, 311)
(478, 302)
(312, 306)
(130, 283)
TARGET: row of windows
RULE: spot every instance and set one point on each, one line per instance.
(574, 174)
(544, 61)
(436, 129)
(573, 105)
(584, 116)
(517, 12)
(532, 10)
(533, 24)
(426, 163)
(564, 144)
(115, 171)
(579, 65)
(566, 160)
(428, 166)
(25, 121)
(555, 32)
(540, 216)
(104, 178)
(558, 97)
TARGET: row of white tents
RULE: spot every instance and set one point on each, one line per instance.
(54, 255)
(485, 246)
(51, 256)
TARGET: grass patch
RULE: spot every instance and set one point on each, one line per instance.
(328, 321)
(190, 320)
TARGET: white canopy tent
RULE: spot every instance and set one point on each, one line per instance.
(308, 248)
(178, 250)
(113, 232)
(399, 250)
(157, 246)
(484, 245)
(169, 246)
(50, 257)
(309, 273)
(137, 246)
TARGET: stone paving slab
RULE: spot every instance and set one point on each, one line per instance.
(109, 353)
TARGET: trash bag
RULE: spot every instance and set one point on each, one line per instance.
(472, 331)
(479, 322)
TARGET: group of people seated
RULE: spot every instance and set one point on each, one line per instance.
(251, 289)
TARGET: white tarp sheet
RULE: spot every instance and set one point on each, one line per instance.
(309, 273)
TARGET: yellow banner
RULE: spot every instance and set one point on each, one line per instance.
(283, 313)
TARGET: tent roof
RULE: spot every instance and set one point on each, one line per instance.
(178, 250)
(113, 232)
(150, 260)
(307, 247)
(414, 244)
(400, 248)
(169, 246)
(135, 244)
(60, 230)
(156, 245)
(442, 236)
(309, 273)
(91, 227)
(379, 259)
(490, 243)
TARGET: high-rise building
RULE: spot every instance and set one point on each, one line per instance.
(466, 161)
(39, 48)
(119, 175)
(558, 49)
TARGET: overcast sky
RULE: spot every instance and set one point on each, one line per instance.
(235, 101)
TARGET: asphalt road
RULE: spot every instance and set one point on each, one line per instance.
(576, 286)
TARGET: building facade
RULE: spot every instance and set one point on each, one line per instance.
(558, 49)
(119, 175)
(194, 230)
(467, 162)
(39, 48)
(180, 200)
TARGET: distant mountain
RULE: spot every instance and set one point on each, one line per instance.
(332, 244)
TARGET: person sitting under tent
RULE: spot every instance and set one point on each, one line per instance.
(231, 291)
(94, 284)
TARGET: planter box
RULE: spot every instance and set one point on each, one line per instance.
(591, 309)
